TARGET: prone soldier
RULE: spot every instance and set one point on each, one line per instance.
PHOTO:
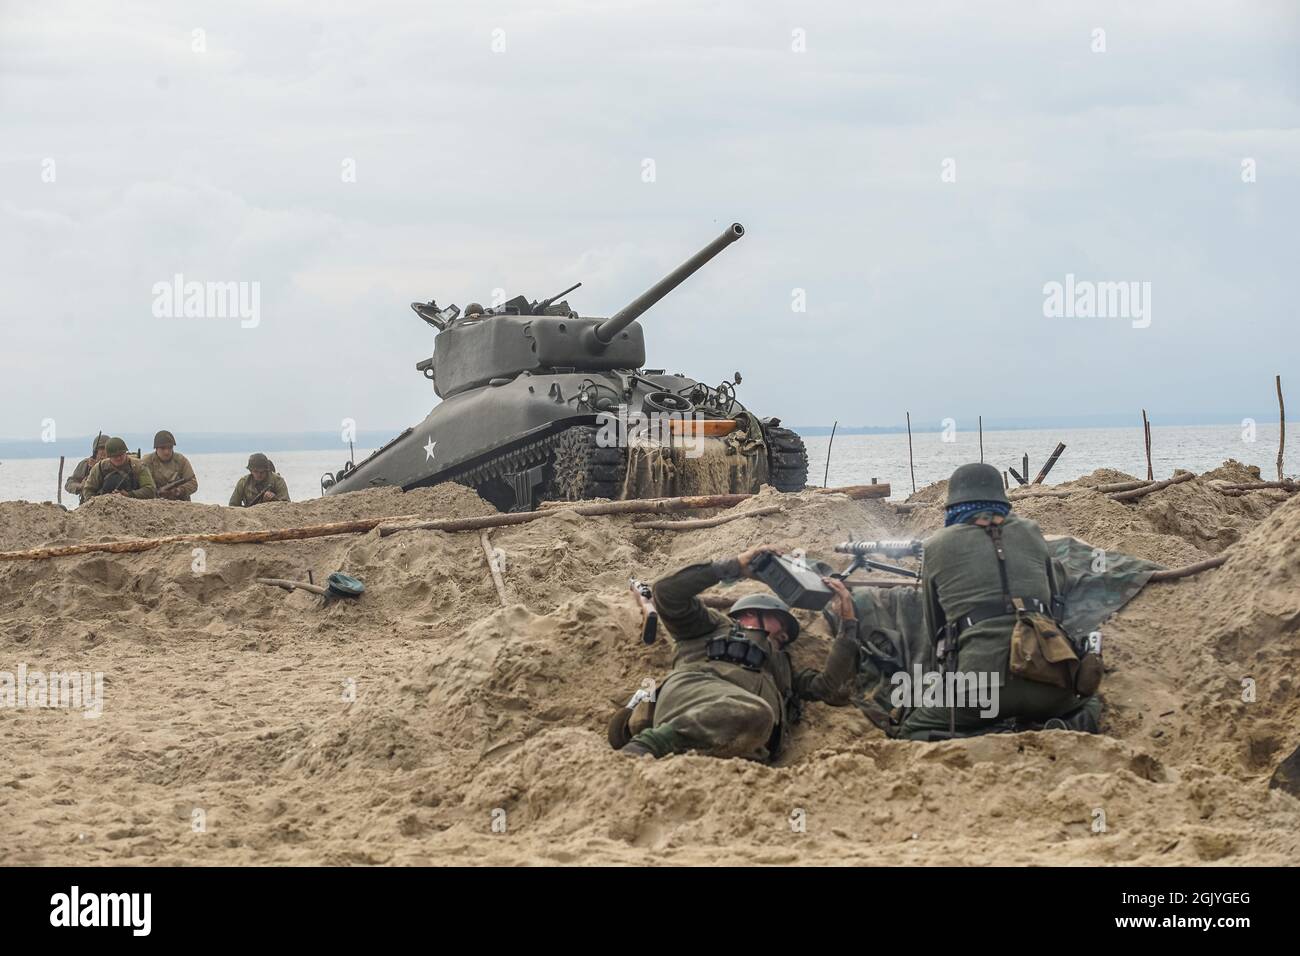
(733, 690)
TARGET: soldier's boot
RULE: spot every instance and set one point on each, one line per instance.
(635, 748)
(1084, 719)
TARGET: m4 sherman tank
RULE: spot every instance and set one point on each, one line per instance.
(539, 403)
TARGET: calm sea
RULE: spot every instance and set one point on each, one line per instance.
(855, 459)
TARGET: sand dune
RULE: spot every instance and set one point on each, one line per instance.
(426, 723)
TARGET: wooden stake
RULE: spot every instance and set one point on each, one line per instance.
(830, 443)
(910, 463)
(1146, 441)
(497, 580)
(1281, 427)
(981, 418)
(60, 497)
(1060, 447)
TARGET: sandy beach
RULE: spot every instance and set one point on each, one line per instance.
(426, 723)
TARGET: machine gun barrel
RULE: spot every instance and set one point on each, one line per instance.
(910, 548)
(604, 333)
(541, 307)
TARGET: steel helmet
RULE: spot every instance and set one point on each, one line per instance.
(766, 602)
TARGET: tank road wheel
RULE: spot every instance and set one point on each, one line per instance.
(583, 469)
(787, 463)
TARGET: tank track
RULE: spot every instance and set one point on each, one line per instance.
(583, 469)
(787, 465)
(576, 468)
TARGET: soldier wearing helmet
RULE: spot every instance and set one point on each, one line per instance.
(261, 484)
(171, 470)
(78, 477)
(118, 474)
(983, 571)
(733, 690)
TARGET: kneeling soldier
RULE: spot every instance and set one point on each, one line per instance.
(118, 474)
(259, 485)
(989, 586)
(78, 476)
(733, 691)
(172, 472)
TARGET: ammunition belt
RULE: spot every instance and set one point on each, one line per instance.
(736, 650)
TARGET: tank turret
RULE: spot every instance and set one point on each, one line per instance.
(527, 387)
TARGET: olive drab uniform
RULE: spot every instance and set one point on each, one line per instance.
(728, 709)
(177, 469)
(247, 491)
(962, 583)
(75, 481)
(133, 477)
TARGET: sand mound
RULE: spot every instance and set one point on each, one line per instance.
(428, 723)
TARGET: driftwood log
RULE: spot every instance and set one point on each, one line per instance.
(1154, 486)
(692, 524)
(1121, 486)
(1284, 485)
(497, 581)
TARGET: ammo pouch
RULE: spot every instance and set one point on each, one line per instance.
(1040, 648)
(735, 648)
(1040, 651)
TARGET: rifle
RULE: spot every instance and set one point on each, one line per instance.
(172, 484)
(649, 616)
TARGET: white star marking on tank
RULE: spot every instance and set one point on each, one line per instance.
(428, 450)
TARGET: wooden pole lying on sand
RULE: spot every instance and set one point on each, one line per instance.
(1284, 485)
(631, 506)
(497, 581)
(361, 526)
(1154, 486)
(1122, 486)
(60, 493)
(692, 524)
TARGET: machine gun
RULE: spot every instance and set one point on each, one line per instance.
(911, 548)
(539, 308)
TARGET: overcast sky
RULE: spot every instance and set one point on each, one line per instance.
(503, 145)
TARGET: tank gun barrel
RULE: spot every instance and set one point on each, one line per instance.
(604, 333)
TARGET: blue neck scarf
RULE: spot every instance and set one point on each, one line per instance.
(967, 510)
